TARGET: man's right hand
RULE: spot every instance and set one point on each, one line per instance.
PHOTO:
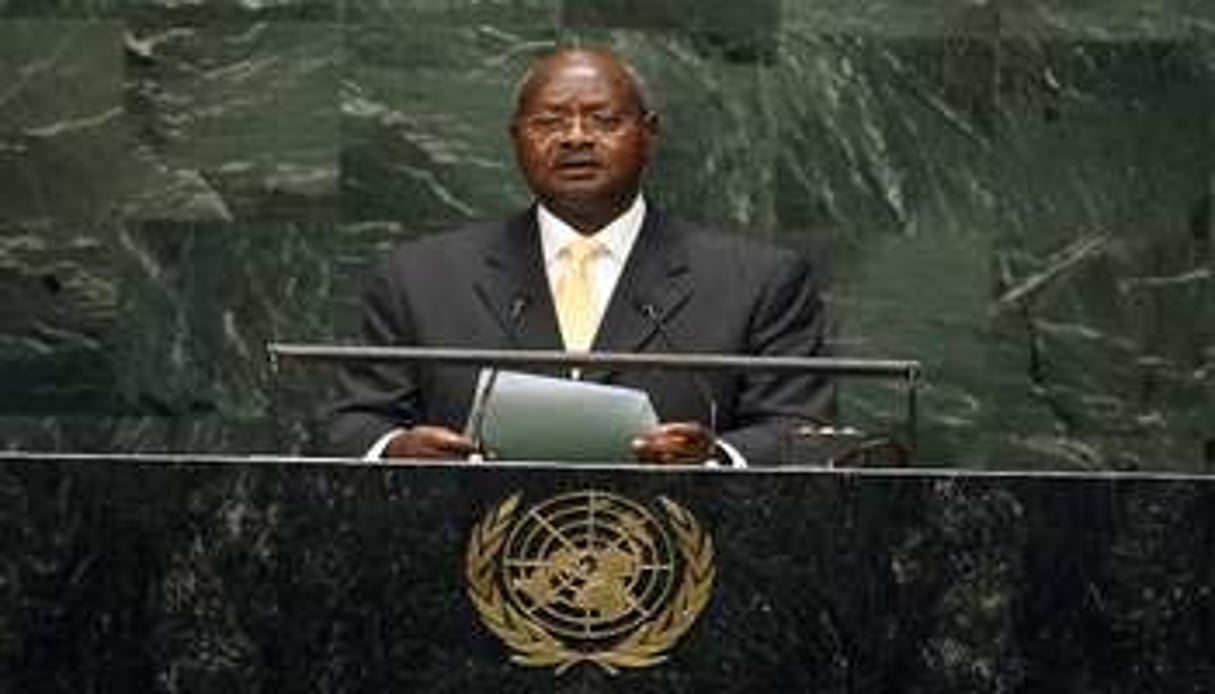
(425, 441)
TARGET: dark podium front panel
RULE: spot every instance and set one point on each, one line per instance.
(207, 575)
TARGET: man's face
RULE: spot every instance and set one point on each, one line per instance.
(581, 137)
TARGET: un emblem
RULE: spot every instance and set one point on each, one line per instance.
(589, 577)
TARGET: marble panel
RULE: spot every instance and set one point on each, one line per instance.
(247, 109)
(915, 156)
(1106, 20)
(59, 303)
(1104, 294)
(70, 149)
(290, 425)
(180, 10)
(741, 32)
(61, 126)
(59, 8)
(158, 331)
(202, 11)
(488, 12)
(199, 303)
(426, 102)
(929, 19)
(885, 175)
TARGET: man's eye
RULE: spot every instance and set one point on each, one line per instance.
(607, 122)
(546, 122)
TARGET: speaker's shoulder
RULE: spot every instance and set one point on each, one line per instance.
(732, 247)
(461, 243)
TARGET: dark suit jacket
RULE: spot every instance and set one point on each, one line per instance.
(485, 286)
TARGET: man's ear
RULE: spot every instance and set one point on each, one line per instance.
(652, 123)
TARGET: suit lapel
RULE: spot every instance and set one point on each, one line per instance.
(514, 286)
(655, 280)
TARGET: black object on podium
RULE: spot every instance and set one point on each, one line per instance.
(193, 574)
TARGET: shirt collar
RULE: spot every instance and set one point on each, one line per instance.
(617, 237)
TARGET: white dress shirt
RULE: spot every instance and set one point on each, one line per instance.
(616, 240)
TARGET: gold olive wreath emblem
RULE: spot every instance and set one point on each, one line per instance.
(589, 577)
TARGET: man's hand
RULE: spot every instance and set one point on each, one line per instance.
(425, 441)
(675, 443)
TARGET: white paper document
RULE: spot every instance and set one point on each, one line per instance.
(520, 416)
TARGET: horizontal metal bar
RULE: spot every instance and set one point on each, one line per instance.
(852, 367)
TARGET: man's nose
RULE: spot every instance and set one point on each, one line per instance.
(577, 131)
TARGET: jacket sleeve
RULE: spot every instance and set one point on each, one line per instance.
(788, 319)
(374, 398)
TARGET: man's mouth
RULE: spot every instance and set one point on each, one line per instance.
(575, 165)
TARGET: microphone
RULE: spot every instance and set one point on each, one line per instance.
(513, 316)
(846, 445)
(517, 306)
(475, 429)
(651, 313)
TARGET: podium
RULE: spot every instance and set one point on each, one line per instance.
(205, 574)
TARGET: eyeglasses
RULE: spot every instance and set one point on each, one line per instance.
(599, 123)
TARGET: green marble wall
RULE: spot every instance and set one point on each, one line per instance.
(1017, 192)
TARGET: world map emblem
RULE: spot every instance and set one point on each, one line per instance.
(589, 577)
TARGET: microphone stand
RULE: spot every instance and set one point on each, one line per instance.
(706, 393)
(908, 371)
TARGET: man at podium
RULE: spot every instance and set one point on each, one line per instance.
(589, 265)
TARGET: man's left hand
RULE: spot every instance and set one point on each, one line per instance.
(675, 443)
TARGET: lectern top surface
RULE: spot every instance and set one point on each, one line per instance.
(271, 459)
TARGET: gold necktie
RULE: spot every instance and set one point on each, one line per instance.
(575, 295)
